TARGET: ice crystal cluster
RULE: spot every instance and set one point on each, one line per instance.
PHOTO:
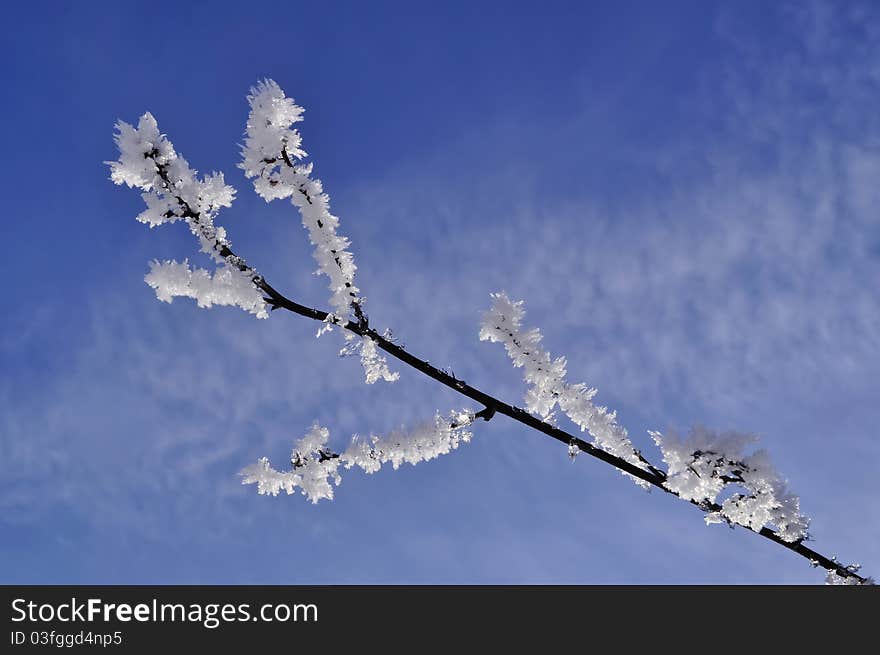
(548, 386)
(835, 579)
(272, 156)
(173, 192)
(314, 466)
(227, 286)
(699, 467)
(375, 365)
(707, 463)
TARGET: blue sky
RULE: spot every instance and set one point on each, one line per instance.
(685, 195)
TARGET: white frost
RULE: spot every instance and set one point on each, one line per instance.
(312, 470)
(375, 366)
(705, 463)
(420, 444)
(502, 323)
(174, 192)
(268, 131)
(374, 363)
(832, 577)
(136, 166)
(272, 156)
(227, 286)
(314, 467)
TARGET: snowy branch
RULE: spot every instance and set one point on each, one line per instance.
(655, 478)
(503, 324)
(314, 466)
(272, 156)
(227, 286)
(173, 192)
(268, 155)
(707, 463)
(700, 467)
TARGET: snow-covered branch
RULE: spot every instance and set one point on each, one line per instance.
(502, 323)
(227, 286)
(174, 192)
(707, 463)
(313, 469)
(314, 466)
(272, 156)
(701, 469)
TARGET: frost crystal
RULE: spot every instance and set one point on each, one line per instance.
(374, 363)
(329, 321)
(834, 578)
(228, 286)
(141, 151)
(174, 192)
(269, 131)
(271, 155)
(313, 469)
(314, 466)
(375, 366)
(503, 324)
(421, 444)
(707, 462)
